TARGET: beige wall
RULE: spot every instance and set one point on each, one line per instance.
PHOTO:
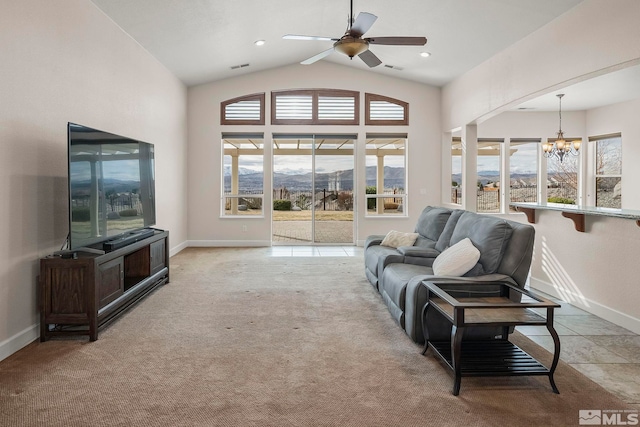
(205, 225)
(65, 61)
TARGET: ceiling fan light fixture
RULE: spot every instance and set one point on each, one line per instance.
(351, 46)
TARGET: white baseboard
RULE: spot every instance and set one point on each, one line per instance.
(607, 313)
(228, 243)
(18, 341)
(175, 250)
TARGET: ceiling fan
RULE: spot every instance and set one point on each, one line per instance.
(352, 43)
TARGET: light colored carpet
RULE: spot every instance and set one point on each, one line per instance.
(242, 339)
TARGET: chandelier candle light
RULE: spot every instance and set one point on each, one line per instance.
(560, 147)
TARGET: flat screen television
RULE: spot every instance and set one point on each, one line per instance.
(111, 186)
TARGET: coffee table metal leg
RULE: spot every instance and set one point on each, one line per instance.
(556, 356)
(456, 356)
(425, 332)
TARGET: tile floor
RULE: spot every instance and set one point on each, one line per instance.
(600, 350)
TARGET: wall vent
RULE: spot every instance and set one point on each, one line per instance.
(235, 67)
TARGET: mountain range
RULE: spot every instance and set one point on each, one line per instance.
(393, 178)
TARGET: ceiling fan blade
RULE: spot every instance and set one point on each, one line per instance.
(317, 57)
(363, 22)
(370, 58)
(398, 41)
(297, 37)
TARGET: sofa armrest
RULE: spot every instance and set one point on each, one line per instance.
(418, 252)
(374, 239)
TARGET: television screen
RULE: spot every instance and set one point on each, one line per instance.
(111, 186)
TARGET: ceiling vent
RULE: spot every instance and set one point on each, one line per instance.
(235, 67)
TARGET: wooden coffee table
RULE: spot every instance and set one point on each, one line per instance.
(468, 305)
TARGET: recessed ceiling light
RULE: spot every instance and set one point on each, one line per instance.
(425, 54)
(259, 42)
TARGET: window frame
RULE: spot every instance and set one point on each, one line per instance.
(369, 97)
(596, 175)
(498, 186)
(403, 196)
(532, 142)
(253, 97)
(315, 95)
(237, 196)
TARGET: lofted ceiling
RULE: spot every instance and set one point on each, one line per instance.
(201, 40)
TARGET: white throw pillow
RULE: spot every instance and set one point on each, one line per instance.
(395, 239)
(457, 259)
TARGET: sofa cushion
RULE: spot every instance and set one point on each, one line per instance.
(432, 221)
(489, 234)
(444, 241)
(424, 243)
(395, 239)
(457, 259)
(395, 277)
(373, 255)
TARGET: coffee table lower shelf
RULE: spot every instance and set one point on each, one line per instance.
(491, 358)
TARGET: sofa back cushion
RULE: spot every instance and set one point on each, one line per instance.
(516, 260)
(444, 241)
(432, 221)
(489, 234)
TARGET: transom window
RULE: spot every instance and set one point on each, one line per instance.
(318, 106)
(382, 110)
(245, 110)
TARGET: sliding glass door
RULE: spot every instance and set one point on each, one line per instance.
(313, 189)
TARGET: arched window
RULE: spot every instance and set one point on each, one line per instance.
(244, 110)
(382, 110)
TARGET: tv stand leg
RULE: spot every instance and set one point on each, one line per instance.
(93, 328)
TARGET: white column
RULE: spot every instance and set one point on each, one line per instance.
(505, 175)
(542, 176)
(234, 182)
(445, 190)
(470, 167)
(380, 184)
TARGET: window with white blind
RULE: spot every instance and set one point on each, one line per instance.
(294, 107)
(336, 108)
(319, 106)
(245, 110)
(382, 110)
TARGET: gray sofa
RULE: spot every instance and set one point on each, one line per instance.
(506, 249)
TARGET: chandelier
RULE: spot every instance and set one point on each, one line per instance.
(560, 147)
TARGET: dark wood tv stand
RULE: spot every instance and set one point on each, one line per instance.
(81, 293)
